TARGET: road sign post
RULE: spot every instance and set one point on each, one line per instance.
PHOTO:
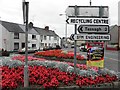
(25, 19)
(92, 20)
(75, 41)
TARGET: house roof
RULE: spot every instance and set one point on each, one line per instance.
(42, 31)
(113, 26)
(19, 28)
(12, 27)
(32, 31)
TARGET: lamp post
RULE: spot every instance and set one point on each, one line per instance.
(25, 19)
(27, 27)
(65, 29)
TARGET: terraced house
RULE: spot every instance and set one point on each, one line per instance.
(12, 36)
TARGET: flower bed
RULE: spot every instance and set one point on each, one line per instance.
(30, 58)
(59, 54)
(44, 77)
(51, 74)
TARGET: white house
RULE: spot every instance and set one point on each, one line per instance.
(47, 37)
(119, 24)
(33, 37)
(12, 36)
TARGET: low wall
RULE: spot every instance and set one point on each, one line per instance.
(111, 47)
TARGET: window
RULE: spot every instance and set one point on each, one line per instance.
(42, 44)
(55, 44)
(49, 37)
(33, 45)
(16, 46)
(16, 35)
(49, 44)
(55, 38)
(23, 45)
(41, 37)
(33, 36)
(45, 38)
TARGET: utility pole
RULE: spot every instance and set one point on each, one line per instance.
(90, 3)
(65, 29)
(75, 42)
(25, 19)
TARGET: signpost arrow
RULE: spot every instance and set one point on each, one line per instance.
(93, 29)
(67, 21)
(88, 21)
(72, 37)
(80, 29)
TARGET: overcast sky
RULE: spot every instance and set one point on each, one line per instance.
(46, 12)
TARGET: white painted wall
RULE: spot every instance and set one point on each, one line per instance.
(119, 22)
(119, 13)
(20, 40)
(0, 35)
(52, 42)
(33, 41)
(5, 39)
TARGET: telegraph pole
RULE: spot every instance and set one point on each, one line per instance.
(25, 19)
(90, 3)
(75, 42)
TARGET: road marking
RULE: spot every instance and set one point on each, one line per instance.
(112, 59)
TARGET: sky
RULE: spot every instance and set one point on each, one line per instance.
(47, 12)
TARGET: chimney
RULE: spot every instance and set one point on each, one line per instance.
(46, 27)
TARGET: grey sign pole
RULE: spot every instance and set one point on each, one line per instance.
(26, 74)
(75, 42)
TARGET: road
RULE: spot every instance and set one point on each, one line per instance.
(112, 60)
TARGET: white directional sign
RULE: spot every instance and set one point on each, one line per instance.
(93, 29)
(72, 36)
(88, 21)
(92, 37)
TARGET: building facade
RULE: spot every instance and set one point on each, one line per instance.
(12, 37)
(113, 44)
(119, 23)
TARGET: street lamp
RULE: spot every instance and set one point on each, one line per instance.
(25, 19)
(65, 29)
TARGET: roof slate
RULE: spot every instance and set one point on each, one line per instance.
(42, 31)
(32, 31)
(12, 27)
(19, 28)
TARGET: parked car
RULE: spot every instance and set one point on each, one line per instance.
(30, 50)
(4, 53)
(65, 45)
(51, 48)
(83, 47)
(72, 46)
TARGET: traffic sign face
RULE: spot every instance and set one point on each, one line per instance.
(93, 29)
(88, 21)
(72, 36)
(92, 37)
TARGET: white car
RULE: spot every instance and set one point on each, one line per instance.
(83, 48)
(30, 50)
